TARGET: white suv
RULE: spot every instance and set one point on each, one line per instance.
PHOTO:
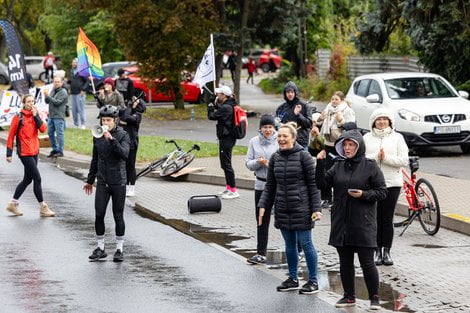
(428, 110)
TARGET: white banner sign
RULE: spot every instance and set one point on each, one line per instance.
(11, 104)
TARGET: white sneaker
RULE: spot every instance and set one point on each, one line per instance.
(82, 127)
(130, 191)
(221, 193)
(231, 195)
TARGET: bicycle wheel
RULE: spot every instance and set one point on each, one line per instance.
(430, 213)
(176, 165)
(151, 167)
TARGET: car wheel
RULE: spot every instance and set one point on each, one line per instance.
(465, 148)
(3, 80)
(265, 67)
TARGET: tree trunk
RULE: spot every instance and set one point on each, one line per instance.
(244, 22)
(179, 102)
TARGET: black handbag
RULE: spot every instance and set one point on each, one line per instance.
(205, 203)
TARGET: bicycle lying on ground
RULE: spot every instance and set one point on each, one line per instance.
(172, 162)
(422, 201)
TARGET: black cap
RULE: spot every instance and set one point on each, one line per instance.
(266, 120)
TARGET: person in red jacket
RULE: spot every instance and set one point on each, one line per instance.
(251, 68)
(24, 129)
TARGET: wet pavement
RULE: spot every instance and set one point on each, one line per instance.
(44, 263)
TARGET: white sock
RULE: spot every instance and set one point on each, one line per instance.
(119, 242)
(14, 201)
(100, 241)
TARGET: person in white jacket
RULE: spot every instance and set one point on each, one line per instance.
(330, 126)
(389, 149)
(260, 149)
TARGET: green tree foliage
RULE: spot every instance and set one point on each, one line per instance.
(61, 20)
(164, 36)
(440, 31)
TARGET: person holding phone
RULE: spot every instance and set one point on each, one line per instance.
(388, 148)
(358, 184)
(24, 129)
(291, 188)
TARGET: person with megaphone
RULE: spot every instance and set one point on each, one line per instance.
(110, 152)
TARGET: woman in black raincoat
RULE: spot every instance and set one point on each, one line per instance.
(358, 184)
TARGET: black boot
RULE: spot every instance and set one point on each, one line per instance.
(387, 259)
(378, 256)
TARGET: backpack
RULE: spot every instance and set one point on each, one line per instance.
(240, 121)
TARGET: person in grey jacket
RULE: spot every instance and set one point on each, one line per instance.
(57, 101)
(260, 149)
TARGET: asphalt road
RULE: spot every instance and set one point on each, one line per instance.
(44, 263)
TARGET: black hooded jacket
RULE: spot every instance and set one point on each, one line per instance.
(291, 187)
(285, 112)
(353, 220)
(224, 117)
(109, 158)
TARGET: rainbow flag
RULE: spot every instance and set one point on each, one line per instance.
(89, 59)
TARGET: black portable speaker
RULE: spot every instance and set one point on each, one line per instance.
(205, 203)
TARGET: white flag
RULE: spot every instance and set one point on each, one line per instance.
(206, 70)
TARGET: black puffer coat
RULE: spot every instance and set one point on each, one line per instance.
(353, 220)
(285, 113)
(109, 158)
(291, 187)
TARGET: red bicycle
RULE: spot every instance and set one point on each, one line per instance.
(422, 201)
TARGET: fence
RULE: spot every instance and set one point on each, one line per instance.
(361, 65)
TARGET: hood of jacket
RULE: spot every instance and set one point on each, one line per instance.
(291, 85)
(294, 149)
(266, 141)
(355, 136)
(230, 101)
(381, 112)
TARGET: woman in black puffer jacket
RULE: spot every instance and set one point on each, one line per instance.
(291, 187)
(358, 184)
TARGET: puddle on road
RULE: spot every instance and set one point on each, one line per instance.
(428, 246)
(276, 260)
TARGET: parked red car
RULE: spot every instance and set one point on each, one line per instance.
(191, 91)
(267, 60)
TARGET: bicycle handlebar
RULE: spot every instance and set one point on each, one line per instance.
(173, 142)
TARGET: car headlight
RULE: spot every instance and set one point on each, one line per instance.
(409, 116)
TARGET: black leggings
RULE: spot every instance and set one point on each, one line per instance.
(385, 212)
(225, 154)
(130, 166)
(31, 173)
(263, 230)
(102, 195)
(346, 269)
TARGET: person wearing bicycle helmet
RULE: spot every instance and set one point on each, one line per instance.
(358, 183)
(388, 148)
(108, 166)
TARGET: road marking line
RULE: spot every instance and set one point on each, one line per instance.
(458, 217)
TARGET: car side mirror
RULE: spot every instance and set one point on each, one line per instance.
(374, 98)
(463, 94)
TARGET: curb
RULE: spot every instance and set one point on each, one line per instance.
(451, 221)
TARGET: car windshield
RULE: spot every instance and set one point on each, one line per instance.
(418, 87)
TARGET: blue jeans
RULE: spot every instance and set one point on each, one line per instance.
(305, 239)
(56, 126)
(78, 109)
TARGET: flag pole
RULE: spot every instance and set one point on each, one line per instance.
(89, 71)
(213, 60)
